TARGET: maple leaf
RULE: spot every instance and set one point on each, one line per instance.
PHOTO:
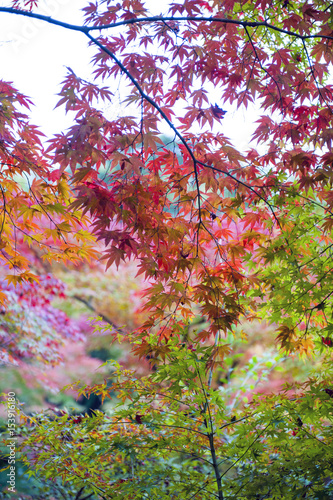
(329, 391)
(327, 341)
(218, 112)
(286, 337)
(138, 419)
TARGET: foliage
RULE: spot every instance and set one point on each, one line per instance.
(31, 328)
(34, 204)
(221, 236)
(160, 442)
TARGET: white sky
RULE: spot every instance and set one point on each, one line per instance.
(34, 56)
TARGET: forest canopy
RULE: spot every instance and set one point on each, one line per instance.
(231, 247)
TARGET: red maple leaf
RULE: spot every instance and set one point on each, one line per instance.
(327, 341)
(217, 111)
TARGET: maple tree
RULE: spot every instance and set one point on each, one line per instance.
(222, 236)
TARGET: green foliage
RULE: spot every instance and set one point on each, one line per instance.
(171, 433)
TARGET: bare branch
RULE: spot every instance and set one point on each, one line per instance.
(152, 19)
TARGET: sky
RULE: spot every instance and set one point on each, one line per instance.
(34, 56)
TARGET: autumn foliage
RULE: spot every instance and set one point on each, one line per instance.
(222, 236)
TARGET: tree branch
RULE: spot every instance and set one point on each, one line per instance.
(89, 306)
(152, 19)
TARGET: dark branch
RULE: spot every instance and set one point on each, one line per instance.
(89, 306)
(152, 19)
